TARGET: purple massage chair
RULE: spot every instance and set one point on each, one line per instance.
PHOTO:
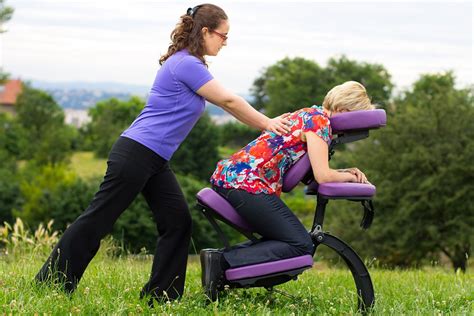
(346, 127)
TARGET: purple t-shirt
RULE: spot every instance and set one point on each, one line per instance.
(173, 106)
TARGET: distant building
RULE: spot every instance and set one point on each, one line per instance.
(9, 92)
(76, 117)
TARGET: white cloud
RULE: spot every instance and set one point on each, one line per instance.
(122, 40)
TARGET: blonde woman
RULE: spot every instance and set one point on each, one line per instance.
(251, 180)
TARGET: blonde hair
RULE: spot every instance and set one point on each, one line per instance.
(349, 96)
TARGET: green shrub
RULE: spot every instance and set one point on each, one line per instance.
(9, 194)
(198, 154)
(236, 135)
(51, 192)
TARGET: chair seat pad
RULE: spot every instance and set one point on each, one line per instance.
(221, 206)
(261, 269)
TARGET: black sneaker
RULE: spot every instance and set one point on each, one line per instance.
(212, 275)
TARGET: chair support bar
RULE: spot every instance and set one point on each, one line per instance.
(216, 227)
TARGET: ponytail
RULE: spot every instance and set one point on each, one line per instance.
(187, 33)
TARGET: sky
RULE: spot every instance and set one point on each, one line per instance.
(122, 40)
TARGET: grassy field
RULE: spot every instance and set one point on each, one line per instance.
(86, 165)
(111, 286)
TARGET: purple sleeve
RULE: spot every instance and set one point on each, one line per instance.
(192, 72)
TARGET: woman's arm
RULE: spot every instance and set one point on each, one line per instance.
(318, 156)
(241, 109)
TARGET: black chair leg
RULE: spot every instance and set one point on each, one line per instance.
(365, 289)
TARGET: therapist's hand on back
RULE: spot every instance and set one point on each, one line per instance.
(279, 125)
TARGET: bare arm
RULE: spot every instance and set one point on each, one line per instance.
(215, 93)
(318, 156)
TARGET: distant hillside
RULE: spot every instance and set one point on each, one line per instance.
(83, 99)
(110, 87)
(83, 95)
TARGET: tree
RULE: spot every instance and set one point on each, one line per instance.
(422, 165)
(291, 84)
(12, 138)
(42, 119)
(44, 195)
(374, 77)
(198, 154)
(288, 85)
(11, 142)
(236, 135)
(108, 119)
(3, 76)
(6, 14)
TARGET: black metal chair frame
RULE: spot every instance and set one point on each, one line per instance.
(360, 273)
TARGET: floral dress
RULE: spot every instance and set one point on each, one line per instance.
(259, 167)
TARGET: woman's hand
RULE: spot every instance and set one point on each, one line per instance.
(359, 176)
(279, 125)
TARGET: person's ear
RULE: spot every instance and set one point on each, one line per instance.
(204, 31)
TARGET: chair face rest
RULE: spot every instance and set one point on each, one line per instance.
(266, 268)
(346, 189)
(348, 121)
(358, 120)
(222, 207)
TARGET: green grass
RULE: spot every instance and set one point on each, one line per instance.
(86, 165)
(111, 286)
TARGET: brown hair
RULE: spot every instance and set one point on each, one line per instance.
(349, 96)
(187, 33)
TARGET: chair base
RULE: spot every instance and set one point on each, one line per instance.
(267, 274)
(269, 280)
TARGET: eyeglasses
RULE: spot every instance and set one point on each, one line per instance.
(224, 37)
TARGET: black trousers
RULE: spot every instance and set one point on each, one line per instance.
(283, 235)
(131, 168)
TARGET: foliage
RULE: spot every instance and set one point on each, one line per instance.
(52, 192)
(108, 119)
(56, 192)
(37, 111)
(291, 84)
(374, 77)
(4, 76)
(12, 138)
(198, 154)
(422, 165)
(6, 14)
(17, 238)
(9, 194)
(11, 142)
(47, 137)
(236, 135)
(87, 166)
